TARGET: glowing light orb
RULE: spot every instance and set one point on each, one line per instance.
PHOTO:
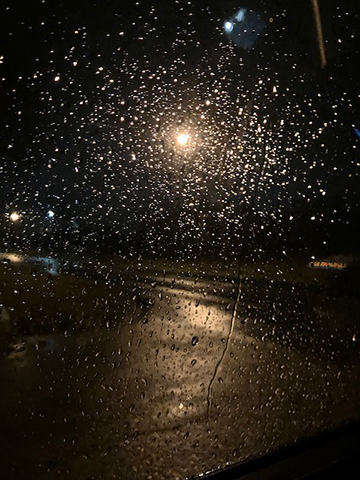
(183, 139)
(229, 26)
(14, 217)
(50, 214)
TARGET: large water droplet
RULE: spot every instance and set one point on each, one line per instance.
(195, 341)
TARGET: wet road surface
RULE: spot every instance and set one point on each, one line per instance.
(132, 399)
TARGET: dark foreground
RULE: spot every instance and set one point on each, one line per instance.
(159, 389)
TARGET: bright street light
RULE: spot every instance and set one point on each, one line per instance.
(229, 27)
(14, 217)
(183, 139)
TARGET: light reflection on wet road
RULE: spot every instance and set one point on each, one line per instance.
(131, 401)
(47, 264)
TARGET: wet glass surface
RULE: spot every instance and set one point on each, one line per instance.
(179, 252)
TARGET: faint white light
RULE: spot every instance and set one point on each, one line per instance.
(240, 15)
(229, 26)
(57, 78)
(183, 139)
(51, 214)
(14, 217)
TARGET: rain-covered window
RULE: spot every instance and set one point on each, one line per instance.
(179, 242)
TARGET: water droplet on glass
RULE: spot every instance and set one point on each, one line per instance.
(195, 341)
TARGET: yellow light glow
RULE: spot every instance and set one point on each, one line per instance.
(183, 139)
(12, 257)
(14, 217)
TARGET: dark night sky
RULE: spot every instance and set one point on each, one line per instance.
(94, 93)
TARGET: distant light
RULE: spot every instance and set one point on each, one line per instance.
(328, 264)
(240, 15)
(14, 217)
(229, 26)
(57, 78)
(183, 139)
(51, 214)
